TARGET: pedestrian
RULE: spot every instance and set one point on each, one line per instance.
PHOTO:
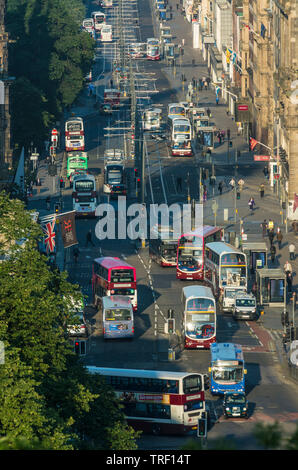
(111, 83)
(279, 237)
(262, 189)
(270, 225)
(232, 183)
(223, 134)
(266, 172)
(200, 84)
(89, 238)
(289, 282)
(179, 184)
(76, 253)
(205, 194)
(271, 236)
(272, 253)
(251, 203)
(295, 227)
(177, 6)
(264, 227)
(292, 251)
(208, 112)
(220, 184)
(288, 268)
(183, 42)
(203, 174)
(48, 203)
(219, 136)
(208, 80)
(206, 84)
(240, 184)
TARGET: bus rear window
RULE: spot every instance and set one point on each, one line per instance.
(119, 314)
(125, 275)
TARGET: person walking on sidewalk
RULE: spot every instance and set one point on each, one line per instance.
(289, 282)
(179, 183)
(292, 251)
(288, 268)
(220, 185)
(200, 84)
(271, 236)
(76, 253)
(266, 172)
(89, 238)
(264, 226)
(272, 253)
(217, 100)
(251, 203)
(262, 189)
(279, 237)
(232, 183)
(48, 202)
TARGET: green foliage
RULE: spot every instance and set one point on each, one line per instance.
(50, 57)
(47, 398)
(268, 435)
(292, 441)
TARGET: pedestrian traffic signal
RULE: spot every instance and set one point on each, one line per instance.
(202, 427)
(238, 194)
(230, 143)
(138, 182)
(136, 172)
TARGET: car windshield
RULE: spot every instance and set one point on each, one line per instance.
(245, 303)
(235, 399)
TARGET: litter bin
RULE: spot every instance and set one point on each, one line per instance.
(171, 354)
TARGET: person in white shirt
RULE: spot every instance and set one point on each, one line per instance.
(288, 267)
(292, 251)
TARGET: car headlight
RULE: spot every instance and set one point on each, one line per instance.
(227, 409)
(244, 409)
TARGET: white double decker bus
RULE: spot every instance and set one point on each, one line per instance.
(74, 134)
(84, 196)
(181, 135)
(158, 402)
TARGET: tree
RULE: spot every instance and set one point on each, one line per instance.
(48, 396)
(268, 435)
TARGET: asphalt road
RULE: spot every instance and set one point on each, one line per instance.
(270, 395)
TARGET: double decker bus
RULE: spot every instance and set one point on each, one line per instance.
(74, 134)
(225, 266)
(111, 96)
(153, 49)
(88, 25)
(190, 253)
(151, 119)
(84, 198)
(99, 19)
(106, 33)
(181, 135)
(199, 307)
(176, 110)
(158, 402)
(76, 162)
(137, 50)
(227, 368)
(113, 276)
(163, 247)
(117, 317)
(114, 179)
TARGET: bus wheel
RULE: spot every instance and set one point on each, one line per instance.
(156, 429)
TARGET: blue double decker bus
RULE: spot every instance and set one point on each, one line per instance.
(227, 368)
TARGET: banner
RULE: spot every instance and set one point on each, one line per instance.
(295, 202)
(49, 240)
(252, 143)
(68, 229)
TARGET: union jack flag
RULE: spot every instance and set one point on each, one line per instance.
(49, 231)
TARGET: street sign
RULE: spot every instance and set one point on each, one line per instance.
(242, 107)
(54, 132)
(262, 158)
(34, 157)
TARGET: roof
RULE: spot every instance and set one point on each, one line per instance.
(221, 247)
(227, 351)
(83, 176)
(254, 246)
(110, 262)
(139, 373)
(76, 118)
(203, 231)
(178, 121)
(116, 301)
(271, 273)
(197, 291)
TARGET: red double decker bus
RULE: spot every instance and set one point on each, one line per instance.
(190, 252)
(113, 276)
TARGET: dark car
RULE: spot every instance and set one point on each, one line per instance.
(235, 405)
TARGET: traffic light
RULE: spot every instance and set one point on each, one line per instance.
(230, 143)
(202, 427)
(238, 193)
(171, 325)
(61, 182)
(138, 182)
(80, 347)
(136, 171)
(57, 207)
(228, 134)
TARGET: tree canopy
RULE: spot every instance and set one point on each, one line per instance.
(47, 397)
(50, 56)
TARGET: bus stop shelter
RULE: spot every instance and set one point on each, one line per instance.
(271, 285)
(256, 253)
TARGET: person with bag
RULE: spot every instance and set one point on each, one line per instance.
(279, 237)
(272, 253)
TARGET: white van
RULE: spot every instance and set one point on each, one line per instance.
(106, 34)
